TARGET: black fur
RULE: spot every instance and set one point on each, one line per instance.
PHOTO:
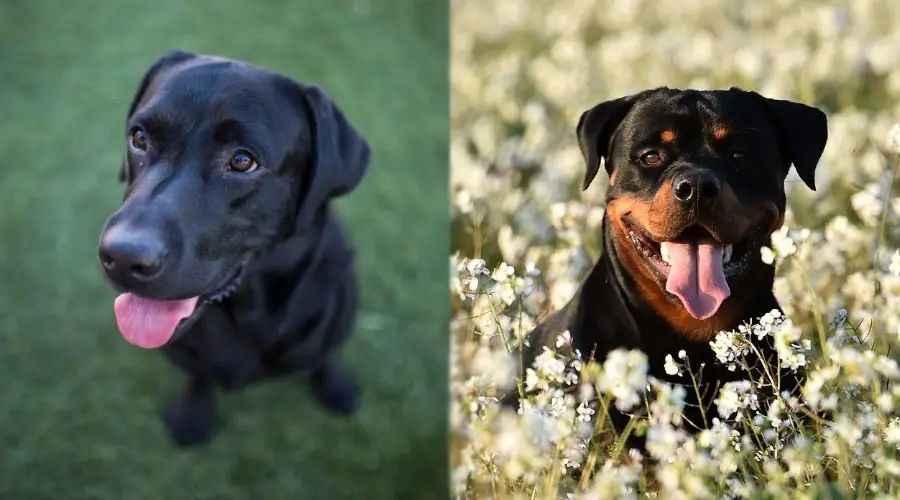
(293, 301)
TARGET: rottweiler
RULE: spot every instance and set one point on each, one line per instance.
(696, 188)
(226, 251)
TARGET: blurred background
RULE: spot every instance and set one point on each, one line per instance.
(80, 417)
(523, 72)
(521, 75)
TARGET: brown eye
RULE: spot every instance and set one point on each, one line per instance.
(651, 158)
(242, 162)
(739, 156)
(139, 139)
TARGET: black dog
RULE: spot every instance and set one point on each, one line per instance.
(696, 188)
(226, 251)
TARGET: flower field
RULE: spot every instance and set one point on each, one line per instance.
(524, 235)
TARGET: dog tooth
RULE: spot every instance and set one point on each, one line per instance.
(664, 252)
(726, 254)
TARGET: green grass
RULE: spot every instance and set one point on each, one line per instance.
(79, 417)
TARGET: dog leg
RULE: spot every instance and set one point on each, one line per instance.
(335, 387)
(191, 417)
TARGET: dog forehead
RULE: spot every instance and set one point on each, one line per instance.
(677, 113)
(218, 85)
(218, 91)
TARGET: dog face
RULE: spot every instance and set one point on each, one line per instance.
(222, 159)
(696, 188)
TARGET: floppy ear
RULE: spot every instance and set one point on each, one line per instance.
(804, 132)
(595, 130)
(165, 61)
(340, 155)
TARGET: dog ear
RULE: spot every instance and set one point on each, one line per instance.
(804, 132)
(340, 155)
(165, 61)
(595, 130)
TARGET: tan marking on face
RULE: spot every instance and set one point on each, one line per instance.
(728, 316)
(720, 133)
(667, 136)
(612, 178)
(663, 219)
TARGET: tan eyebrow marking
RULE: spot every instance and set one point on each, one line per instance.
(667, 136)
(720, 132)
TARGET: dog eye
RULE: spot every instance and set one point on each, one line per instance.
(242, 162)
(651, 158)
(739, 156)
(139, 139)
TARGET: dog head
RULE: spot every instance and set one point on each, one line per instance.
(222, 160)
(696, 187)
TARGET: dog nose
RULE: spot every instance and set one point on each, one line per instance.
(702, 188)
(129, 256)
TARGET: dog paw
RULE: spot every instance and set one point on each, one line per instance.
(336, 389)
(191, 417)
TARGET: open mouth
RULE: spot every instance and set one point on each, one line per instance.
(150, 324)
(734, 256)
(694, 266)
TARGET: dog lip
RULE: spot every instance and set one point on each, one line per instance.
(648, 247)
(228, 287)
(696, 232)
(633, 226)
(690, 233)
(232, 283)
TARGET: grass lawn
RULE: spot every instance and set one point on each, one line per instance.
(79, 418)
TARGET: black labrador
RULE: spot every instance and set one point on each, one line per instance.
(226, 251)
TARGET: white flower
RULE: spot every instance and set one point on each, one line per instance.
(585, 412)
(886, 367)
(476, 267)
(624, 377)
(734, 397)
(868, 204)
(730, 349)
(894, 267)
(503, 272)
(613, 481)
(547, 370)
(892, 432)
(668, 404)
(790, 347)
(549, 363)
(767, 255)
(463, 201)
(815, 383)
(663, 441)
(782, 244)
(894, 138)
(671, 367)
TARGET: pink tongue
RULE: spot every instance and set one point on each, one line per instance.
(150, 323)
(697, 277)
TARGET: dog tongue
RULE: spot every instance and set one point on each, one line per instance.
(697, 277)
(150, 323)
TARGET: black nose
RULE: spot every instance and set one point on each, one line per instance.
(699, 187)
(131, 256)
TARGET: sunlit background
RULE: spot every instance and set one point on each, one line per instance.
(523, 72)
